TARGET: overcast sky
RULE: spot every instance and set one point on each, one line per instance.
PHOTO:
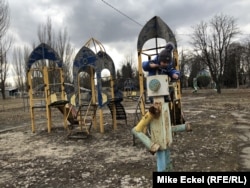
(118, 24)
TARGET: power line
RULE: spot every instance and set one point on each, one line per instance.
(122, 13)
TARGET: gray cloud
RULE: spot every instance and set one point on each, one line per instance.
(94, 18)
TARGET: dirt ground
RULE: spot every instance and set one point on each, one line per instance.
(43, 159)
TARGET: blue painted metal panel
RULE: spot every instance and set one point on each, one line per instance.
(106, 63)
(43, 51)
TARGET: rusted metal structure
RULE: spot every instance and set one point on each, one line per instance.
(156, 29)
(40, 71)
(94, 62)
(163, 117)
(48, 73)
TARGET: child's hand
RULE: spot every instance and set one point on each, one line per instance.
(175, 76)
(154, 65)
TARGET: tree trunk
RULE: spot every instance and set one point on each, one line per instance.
(218, 87)
(3, 92)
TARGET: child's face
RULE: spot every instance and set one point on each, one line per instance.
(164, 63)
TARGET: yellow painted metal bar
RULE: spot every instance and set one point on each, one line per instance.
(112, 87)
(178, 88)
(114, 117)
(146, 119)
(47, 97)
(93, 92)
(113, 107)
(29, 75)
(141, 80)
(101, 120)
(79, 90)
(63, 97)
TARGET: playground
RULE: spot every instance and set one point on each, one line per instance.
(78, 137)
(218, 142)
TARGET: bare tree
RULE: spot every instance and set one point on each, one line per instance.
(5, 43)
(65, 52)
(61, 44)
(185, 67)
(19, 63)
(246, 61)
(128, 67)
(234, 68)
(4, 17)
(211, 42)
(46, 35)
(128, 71)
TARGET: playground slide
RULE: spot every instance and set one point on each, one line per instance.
(120, 111)
(70, 107)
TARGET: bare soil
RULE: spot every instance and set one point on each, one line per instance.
(43, 159)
